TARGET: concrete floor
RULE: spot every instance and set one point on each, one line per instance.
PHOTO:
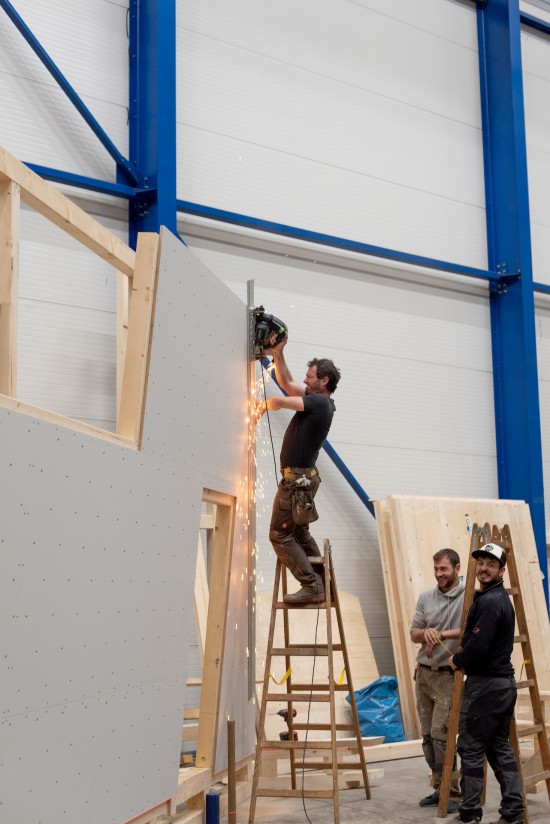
(394, 801)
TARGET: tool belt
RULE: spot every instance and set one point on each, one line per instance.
(292, 473)
(301, 494)
(437, 669)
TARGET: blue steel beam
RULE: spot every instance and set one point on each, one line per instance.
(516, 393)
(125, 167)
(535, 23)
(152, 122)
(335, 458)
(81, 182)
(336, 242)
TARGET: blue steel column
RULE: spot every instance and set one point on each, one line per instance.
(518, 432)
(152, 113)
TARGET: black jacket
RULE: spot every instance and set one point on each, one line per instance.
(489, 634)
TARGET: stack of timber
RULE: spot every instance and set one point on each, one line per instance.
(361, 658)
(411, 529)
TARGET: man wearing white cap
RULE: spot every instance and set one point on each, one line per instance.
(489, 694)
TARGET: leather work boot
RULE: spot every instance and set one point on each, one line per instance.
(306, 595)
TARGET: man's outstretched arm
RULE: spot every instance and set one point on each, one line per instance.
(284, 378)
(296, 404)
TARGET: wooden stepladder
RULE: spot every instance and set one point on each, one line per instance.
(306, 695)
(541, 758)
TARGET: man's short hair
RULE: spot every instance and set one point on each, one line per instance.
(327, 369)
(451, 554)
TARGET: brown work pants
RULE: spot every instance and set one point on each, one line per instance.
(434, 690)
(293, 543)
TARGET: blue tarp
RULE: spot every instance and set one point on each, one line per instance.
(378, 709)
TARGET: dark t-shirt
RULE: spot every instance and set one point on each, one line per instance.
(306, 432)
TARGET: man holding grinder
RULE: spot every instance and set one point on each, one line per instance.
(305, 434)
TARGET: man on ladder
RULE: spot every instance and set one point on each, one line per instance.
(489, 695)
(289, 530)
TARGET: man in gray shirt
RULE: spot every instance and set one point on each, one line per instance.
(436, 625)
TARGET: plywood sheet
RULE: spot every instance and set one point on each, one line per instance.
(411, 530)
(302, 630)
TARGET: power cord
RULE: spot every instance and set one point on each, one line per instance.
(309, 709)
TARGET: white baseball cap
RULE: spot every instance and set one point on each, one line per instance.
(493, 551)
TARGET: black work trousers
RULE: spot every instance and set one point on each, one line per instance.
(486, 712)
(293, 543)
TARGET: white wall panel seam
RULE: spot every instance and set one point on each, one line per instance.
(308, 70)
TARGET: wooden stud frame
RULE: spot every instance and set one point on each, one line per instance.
(9, 272)
(216, 625)
(139, 270)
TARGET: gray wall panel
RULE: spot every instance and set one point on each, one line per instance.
(97, 571)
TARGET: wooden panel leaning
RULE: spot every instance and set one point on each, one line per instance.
(411, 529)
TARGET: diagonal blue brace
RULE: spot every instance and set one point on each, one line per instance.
(331, 240)
(335, 458)
(128, 169)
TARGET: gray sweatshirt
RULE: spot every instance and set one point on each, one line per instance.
(441, 610)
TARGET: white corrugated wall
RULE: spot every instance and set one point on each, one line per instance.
(414, 407)
(357, 119)
(536, 88)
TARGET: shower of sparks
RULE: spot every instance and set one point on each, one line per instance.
(260, 446)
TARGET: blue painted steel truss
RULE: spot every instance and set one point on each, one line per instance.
(152, 114)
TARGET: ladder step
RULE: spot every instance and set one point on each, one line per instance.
(512, 590)
(321, 605)
(323, 727)
(529, 682)
(295, 649)
(292, 698)
(295, 793)
(531, 780)
(319, 687)
(296, 745)
(326, 765)
(520, 639)
(529, 730)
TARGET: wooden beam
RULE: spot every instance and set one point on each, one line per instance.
(189, 732)
(215, 632)
(9, 285)
(201, 600)
(138, 344)
(49, 202)
(68, 423)
(123, 287)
